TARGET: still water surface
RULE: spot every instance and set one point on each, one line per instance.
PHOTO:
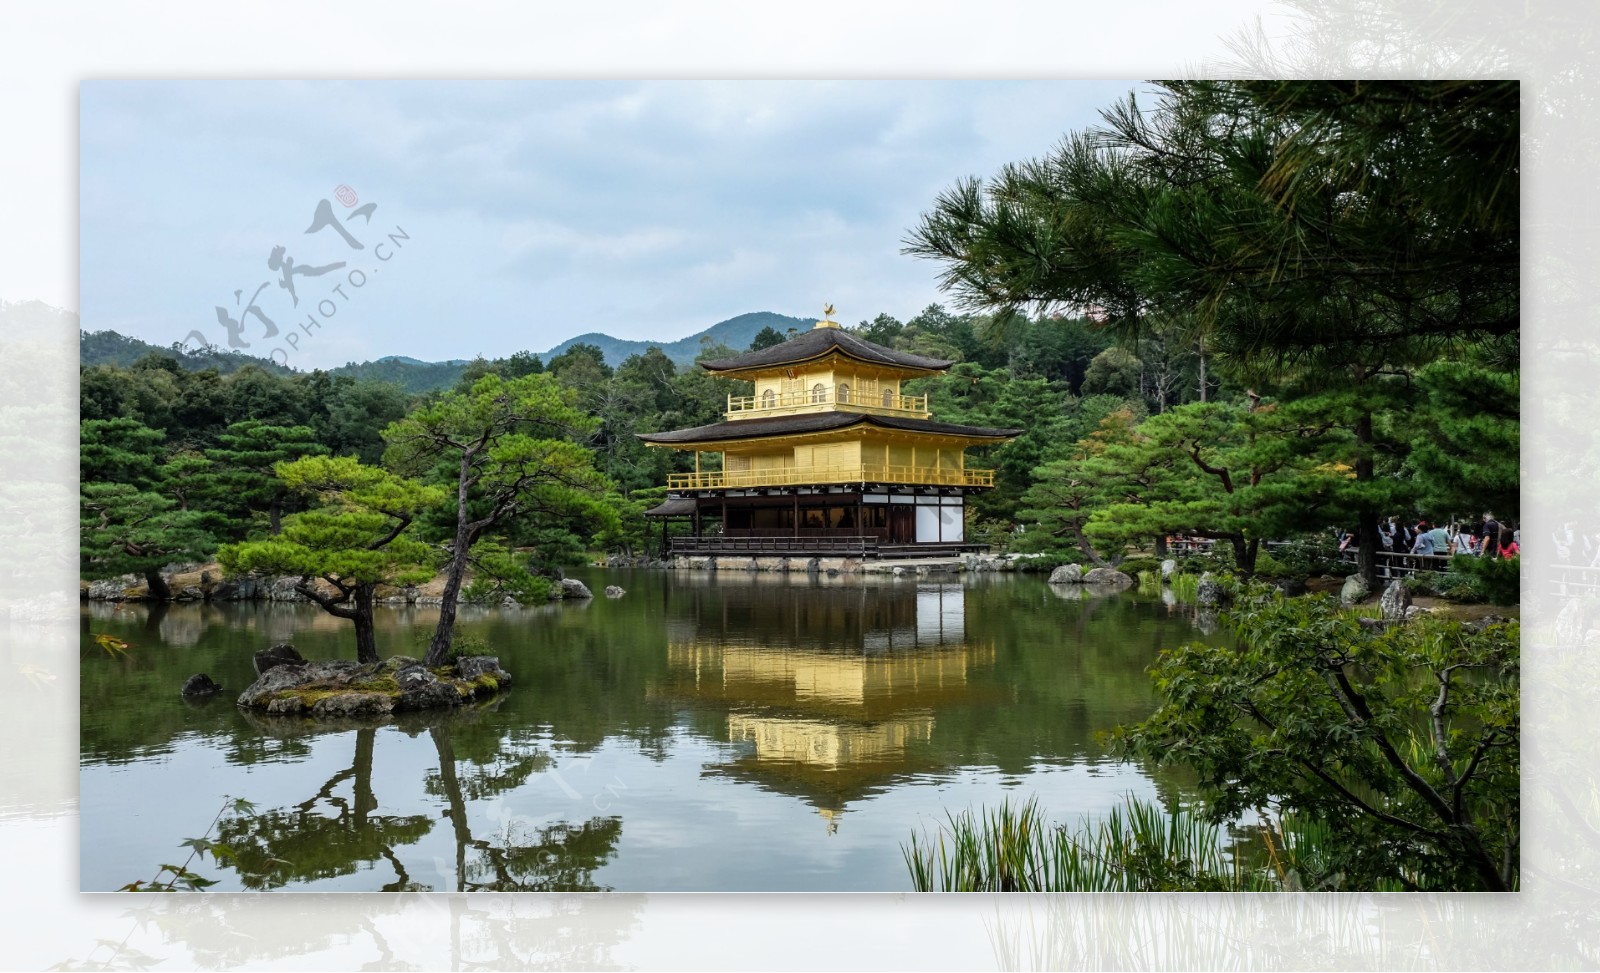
(720, 732)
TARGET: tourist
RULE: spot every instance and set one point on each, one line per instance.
(1424, 542)
(1508, 544)
(1491, 535)
(1386, 533)
(1404, 535)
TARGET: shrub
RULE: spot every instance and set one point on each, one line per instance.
(1308, 557)
(1218, 560)
(1401, 740)
(1037, 541)
(1496, 580)
(998, 534)
(1135, 566)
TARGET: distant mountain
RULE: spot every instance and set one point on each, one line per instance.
(111, 348)
(736, 333)
(415, 375)
(407, 360)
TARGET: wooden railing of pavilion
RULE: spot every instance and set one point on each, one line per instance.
(862, 400)
(808, 475)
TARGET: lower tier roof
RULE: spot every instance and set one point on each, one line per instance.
(812, 422)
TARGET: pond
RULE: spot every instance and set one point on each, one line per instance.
(705, 732)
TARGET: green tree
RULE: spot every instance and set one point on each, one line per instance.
(1465, 440)
(357, 413)
(119, 450)
(581, 364)
(522, 363)
(1328, 234)
(881, 330)
(354, 541)
(507, 450)
(1114, 371)
(123, 530)
(766, 338)
(1402, 740)
(1231, 472)
(244, 462)
(255, 394)
(1066, 490)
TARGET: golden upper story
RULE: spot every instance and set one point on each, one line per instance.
(827, 406)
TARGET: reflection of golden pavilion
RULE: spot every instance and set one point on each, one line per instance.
(825, 744)
(831, 719)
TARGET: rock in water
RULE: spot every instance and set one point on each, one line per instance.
(475, 666)
(573, 588)
(614, 591)
(1169, 567)
(282, 654)
(414, 677)
(1067, 574)
(199, 684)
(1106, 576)
(1396, 599)
(278, 678)
(1209, 593)
(1355, 590)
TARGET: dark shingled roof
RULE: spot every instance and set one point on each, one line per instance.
(672, 507)
(818, 342)
(817, 422)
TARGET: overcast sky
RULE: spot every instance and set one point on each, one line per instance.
(525, 212)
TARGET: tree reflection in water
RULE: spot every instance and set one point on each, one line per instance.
(522, 857)
(337, 831)
(306, 842)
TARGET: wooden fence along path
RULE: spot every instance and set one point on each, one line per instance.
(1390, 564)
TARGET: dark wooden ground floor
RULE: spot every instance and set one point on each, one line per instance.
(876, 521)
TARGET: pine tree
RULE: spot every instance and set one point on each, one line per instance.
(354, 541)
(123, 529)
(243, 463)
(505, 449)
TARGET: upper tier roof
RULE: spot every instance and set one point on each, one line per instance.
(818, 422)
(818, 342)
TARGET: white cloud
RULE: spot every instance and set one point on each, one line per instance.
(619, 206)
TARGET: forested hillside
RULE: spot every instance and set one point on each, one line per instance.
(411, 374)
(111, 348)
(735, 333)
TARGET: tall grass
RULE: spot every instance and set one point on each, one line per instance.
(1185, 587)
(1138, 847)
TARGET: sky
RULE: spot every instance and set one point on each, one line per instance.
(499, 216)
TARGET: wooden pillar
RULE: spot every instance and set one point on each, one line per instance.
(796, 496)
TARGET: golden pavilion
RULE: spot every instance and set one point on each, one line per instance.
(826, 456)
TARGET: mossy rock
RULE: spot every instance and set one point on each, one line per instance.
(397, 684)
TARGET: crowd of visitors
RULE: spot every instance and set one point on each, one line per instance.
(1486, 538)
